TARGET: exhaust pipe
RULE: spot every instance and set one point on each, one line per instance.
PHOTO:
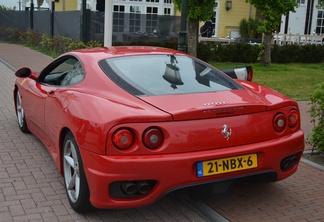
(288, 162)
(143, 187)
(135, 188)
(129, 188)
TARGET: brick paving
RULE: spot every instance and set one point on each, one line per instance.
(31, 189)
(298, 198)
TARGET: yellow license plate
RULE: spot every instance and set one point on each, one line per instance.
(226, 165)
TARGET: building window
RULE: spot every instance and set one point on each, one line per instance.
(135, 19)
(119, 18)
(156, 1)
(167, 1)
(152, 10)
(151, 19)
(135, 9)
(320, 23)
(119, 8)
(167, 11)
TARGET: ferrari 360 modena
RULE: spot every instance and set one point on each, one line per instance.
(127, 125)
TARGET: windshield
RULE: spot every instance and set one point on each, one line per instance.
(165, 74)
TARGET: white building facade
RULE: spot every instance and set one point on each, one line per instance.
(307, 20)
(158, 7)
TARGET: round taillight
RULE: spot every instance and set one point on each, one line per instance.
(293, 119)
(123, 138)
(152, 138)
(279, 122)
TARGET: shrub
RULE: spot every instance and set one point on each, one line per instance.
(76, 45)
(316, 138)
(204, 51)
(33, 38)
(309, 53)
(94, 44)
(237, 52)
(46, 42)
(61, 44)
(9, 34)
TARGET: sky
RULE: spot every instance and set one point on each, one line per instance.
(10, 3)
(13, 3)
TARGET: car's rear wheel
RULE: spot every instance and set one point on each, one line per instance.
(21, 114)
(74, 177)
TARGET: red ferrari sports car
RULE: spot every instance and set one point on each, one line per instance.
(126, 125)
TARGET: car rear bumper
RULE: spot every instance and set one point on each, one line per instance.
(172, 171)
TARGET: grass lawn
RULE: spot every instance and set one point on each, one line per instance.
(294, 80)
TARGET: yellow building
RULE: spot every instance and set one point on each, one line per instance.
(66, 5)
(229, 13)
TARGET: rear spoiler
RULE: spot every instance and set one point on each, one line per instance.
(244, 73)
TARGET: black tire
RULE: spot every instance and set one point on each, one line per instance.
(21, 114)
(76, 185)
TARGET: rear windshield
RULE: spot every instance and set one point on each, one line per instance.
(165, 74)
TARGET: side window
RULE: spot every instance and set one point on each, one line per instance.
(65, 71)
(74, 75)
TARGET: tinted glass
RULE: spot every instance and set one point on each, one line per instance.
(165, 74)
(64, 71)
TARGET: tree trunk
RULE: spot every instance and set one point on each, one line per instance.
(266, 54)
(192, 36)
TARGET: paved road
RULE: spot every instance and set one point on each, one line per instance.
(31, 188)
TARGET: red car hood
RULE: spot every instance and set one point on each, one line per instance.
(208, 105)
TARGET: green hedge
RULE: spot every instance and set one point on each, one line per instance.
(235, 52)
(298, 54)
(316, 138)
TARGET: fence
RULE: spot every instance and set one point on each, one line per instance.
(126, 26)
(289, 39)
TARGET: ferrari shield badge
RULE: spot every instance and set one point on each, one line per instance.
(227, 132)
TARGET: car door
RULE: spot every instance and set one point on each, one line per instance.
(50, 87)
(36, 95)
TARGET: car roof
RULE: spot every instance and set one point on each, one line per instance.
(114, 51)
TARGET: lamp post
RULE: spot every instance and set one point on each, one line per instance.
(182, 39)
(52, 17)
(85, 22)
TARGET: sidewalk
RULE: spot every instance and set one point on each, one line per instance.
(31, 188)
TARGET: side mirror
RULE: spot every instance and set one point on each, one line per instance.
(23, 72)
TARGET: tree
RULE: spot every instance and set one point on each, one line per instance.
(3, 8)
(270, 13)
(320, 4)
(198, 10)
(248, 28)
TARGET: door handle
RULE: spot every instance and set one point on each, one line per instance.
(51, 93)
